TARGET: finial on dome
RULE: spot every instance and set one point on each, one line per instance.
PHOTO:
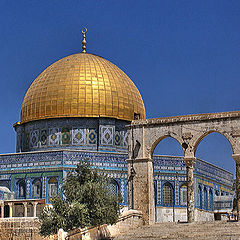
(84, 31)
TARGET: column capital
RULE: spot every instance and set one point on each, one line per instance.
(189, 161)
(10, 204)
(34, 203)
(25, 203)
(236, 158)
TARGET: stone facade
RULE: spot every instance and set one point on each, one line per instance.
(21, 229)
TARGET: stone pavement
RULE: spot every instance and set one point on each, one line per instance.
(219, 230)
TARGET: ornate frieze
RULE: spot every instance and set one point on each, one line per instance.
(81, 133)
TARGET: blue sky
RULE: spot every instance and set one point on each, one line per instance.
(184, 56)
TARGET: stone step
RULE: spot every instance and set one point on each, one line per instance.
(219, 230)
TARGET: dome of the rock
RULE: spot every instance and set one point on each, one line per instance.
(82, 85)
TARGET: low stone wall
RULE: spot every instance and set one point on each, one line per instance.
(21, 229)
(165, 214)
(128, 220)
(203, 215)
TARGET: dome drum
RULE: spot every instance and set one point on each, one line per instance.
(96, 134)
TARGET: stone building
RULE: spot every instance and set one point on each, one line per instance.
(77, 109)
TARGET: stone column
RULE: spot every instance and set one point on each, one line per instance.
(2, 210)
(34, 209)
(236, 157)
(190, 189)
(25, 208)
(143, 188)
(10, 209)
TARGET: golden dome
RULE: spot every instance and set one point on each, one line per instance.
(82, 85)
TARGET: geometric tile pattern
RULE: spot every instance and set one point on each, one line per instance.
(34, 162)
(117, 138)
(92, 136)
(78, 136)
(44, 186)
(53, 136)
(44, 135)
(28, 188)
(122, 189)
(34, 136)
(106, 133)
(65, 133)
(26, 141)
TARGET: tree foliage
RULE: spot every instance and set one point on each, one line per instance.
(87, 201)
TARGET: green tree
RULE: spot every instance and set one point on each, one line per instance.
(87, 201)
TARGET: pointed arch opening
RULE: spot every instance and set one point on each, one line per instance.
(37, 188)
(215, 148)
(167, 146)
(21, 189)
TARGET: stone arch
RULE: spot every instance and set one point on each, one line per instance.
(158, 140)
(199, 138)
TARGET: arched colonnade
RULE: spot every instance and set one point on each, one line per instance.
(188, 130)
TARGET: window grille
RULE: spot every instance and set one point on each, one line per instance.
(167, 194)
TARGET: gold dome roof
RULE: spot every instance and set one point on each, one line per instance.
(82, 85)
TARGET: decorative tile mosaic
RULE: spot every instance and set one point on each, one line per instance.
(28, 188)
(65, 136)
(122, 189)
(106, 133)
(26, 137)
(43, 137)
(34, 136)
(53, 137)
(92, 136)
(44, 186)
(78, 136)
(117, 138)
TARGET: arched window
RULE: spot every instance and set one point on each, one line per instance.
(113, 187)
(52, 187)
(37, 188)
(167, 195)
(211, 200)
(200, 205)
(183, 194)
(205, 198)
(21, 191)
